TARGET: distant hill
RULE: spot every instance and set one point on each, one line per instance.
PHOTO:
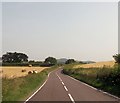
(88, 62)
(61, 60)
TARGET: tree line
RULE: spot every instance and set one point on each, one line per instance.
(21, 59)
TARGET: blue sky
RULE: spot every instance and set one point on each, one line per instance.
(83, 31)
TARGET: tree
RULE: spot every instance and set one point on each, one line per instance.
(69, 61)
(50, 61)
(31, 61)
(117, 58)
(14, 57)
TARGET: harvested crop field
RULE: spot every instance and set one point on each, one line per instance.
(14, 72)
(97, 64)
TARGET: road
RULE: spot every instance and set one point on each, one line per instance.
(60, 87)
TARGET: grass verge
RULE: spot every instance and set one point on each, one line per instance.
(18, 89)
(106, 78)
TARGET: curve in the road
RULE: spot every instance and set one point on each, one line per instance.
(60, 87)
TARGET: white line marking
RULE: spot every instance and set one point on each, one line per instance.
(38, 89)
(59, 77)
(71, 98)
(63, 83)
(95, 88)
(66, 88)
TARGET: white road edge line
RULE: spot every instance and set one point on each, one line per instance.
(38, 89)
(95, 88)
(71, 98)
(66, 88)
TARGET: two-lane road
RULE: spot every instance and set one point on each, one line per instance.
(60, 87)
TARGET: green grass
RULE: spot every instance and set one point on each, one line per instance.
(106, 78)
(18, 89)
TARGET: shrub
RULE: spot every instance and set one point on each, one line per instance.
(117, 58)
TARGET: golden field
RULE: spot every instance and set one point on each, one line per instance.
(13, 72)
(97, 64)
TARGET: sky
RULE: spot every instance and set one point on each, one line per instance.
(60, 0)
(79, 30)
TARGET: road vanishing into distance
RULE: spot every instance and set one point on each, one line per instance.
(60, 87)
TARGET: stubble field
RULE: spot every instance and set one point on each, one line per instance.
(14, 72)
(96, 65)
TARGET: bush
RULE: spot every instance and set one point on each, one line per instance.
(104, 78)
(117, 58)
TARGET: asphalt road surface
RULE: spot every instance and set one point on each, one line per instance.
(60, 87)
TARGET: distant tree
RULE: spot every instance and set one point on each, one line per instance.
(69, 61)
(117, 58)
(50, 61)
(31, 61)
(81, 62)
(14, 57)
(35, 63)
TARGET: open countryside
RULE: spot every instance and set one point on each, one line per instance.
(53, 74)
(56, 52)
(14, 72)
(98, 64)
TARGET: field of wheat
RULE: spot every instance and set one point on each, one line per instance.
(97, 64)
(13, 72)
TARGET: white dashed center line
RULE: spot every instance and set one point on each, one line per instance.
(59, 78)
(71, 98)
(66, 88)
(63, 83)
